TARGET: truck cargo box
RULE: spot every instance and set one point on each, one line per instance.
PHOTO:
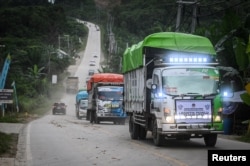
(72, 84)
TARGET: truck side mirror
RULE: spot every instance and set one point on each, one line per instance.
(149, 83)
(153, 88)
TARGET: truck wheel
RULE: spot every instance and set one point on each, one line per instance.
(77, 115)
(133, 128)
(142, 133)
(210, 139)
(91, 117)
(97, 121)
(88, 115)
(122, 122)
(157, 137)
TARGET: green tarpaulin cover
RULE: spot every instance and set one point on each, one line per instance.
(133, 56)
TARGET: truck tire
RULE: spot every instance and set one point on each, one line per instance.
(92, 118)
(77, 115)
(123, 121)
(157, 137)
(97, 121)
(88, 115)
(210, 140)
(133, 128)
(142, 133)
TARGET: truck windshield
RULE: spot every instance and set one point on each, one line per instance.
(110, 95)
(200, 81)
(83, 104)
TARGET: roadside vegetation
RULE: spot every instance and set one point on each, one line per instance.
(41, 41)
(8, 144)
(245, 138)
(32, 33)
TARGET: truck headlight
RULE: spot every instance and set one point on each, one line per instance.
(217, 118)
(169, 119)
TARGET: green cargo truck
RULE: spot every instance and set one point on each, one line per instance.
(171, 88)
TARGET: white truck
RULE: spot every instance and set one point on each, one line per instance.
(81, 103)
(72, 84)
(171, 87)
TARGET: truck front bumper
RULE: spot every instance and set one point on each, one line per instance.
(82, 113)
(110, 117)
(196, 129)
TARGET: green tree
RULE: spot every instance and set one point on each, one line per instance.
(36, 77)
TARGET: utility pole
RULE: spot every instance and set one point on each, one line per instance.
(98, 15)
(179, 13)
(111, 37)
(194, 16)
(178, 20)
(59, 41)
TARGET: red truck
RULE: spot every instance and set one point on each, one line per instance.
(105, 98)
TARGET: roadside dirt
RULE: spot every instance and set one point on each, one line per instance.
(13, 138)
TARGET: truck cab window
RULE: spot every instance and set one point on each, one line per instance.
(183, 81)
(155, 79)
(110, 95)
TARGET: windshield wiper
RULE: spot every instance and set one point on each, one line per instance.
(199, 95)
(173, 96)
(191, 94)
(211, 94)
(186, 94)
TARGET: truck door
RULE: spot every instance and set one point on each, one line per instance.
(158, 95)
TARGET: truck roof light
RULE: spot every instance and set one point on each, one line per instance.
(189, 59)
